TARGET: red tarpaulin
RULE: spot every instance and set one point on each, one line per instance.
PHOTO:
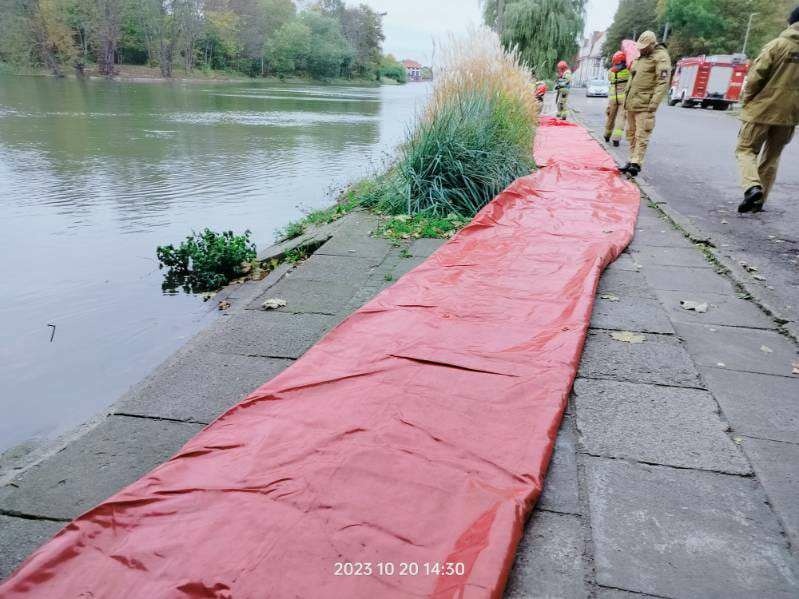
(400, 456)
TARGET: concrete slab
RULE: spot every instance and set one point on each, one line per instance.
(722, 309)
(776, 468)
(689, 257)
(356, 245)
(656, 425)
(659, 360)
(549, 559)
(757, 405)
(422, 248)
(623, 283)
(266, 334)
(95, 466)
(732, 348)
(332, 269)
(629, 313)
(561, 491)
(694, 280)
(657, 234)
(685, 533)
(625, 261)
(308, 297)
(198, 386)
(19, 537)
(605, 593)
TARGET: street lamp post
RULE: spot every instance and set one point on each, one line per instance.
(748, 30)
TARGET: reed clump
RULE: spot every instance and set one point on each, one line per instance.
(474, 138)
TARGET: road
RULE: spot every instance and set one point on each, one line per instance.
(691, 164)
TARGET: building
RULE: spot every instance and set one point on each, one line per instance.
(590, 64)
(413, 69)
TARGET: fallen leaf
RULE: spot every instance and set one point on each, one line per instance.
(610, 297)
(273, 304)
(721, 365)
(795, 368)
(766, 349)
(700, 307)
(628, 337)
(223, 305)
(738, 440)
(724, 222)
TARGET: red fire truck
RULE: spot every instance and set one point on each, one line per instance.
(708, 81)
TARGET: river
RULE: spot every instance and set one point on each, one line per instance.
(95, 174)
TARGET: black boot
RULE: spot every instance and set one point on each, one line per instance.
(607, 139)
(631, 169)
(616, 143)
(753, 200)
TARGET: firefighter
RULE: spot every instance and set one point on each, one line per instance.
(618, 75)
(541, 90)
(649, 81)
(770, 114)
(563, 86)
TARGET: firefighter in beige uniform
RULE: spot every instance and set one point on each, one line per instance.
(770, 115)
(618, 75)
(649, 81)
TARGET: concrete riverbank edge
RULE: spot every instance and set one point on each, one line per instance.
(672, 471)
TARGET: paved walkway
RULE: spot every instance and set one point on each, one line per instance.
(675, 470)
(673, 474)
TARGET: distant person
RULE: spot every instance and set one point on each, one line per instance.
(619, 77)
(563, 87)
(649, 81)
(770, 115)
(541, 90)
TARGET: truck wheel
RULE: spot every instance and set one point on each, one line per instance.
(672, 101)
(687, 104)
(721, 106)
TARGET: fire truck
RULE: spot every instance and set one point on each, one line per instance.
(709, 81)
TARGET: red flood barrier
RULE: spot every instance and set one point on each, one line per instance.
(401, 455)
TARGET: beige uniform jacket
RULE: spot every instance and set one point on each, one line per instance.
(649, 81)
(771, 96)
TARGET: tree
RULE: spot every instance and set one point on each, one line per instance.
(330, 55)
(632, 18)
(393, 69)
(106, 28)
(363, 29)
(52, 34)
(719, 26)
(289, 48)
(544, 31)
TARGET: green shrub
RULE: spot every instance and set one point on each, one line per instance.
(206, 261)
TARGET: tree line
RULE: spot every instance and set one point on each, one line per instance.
(546, 31)
(257, 37)
(694, 27)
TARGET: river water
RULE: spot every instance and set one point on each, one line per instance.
(94, 175)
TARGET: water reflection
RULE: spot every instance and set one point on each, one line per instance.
(94, 175)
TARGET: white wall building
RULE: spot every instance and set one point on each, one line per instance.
(589, 60)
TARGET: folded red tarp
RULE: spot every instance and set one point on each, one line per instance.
(401, 454)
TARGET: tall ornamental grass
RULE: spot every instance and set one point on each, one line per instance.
(475, 137)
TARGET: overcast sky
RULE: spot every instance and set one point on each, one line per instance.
(411, 25)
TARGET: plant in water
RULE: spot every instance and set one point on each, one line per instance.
(206, 261)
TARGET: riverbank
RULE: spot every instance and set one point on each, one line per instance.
(674, 414)
(146, 74)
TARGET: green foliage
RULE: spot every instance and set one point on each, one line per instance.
(404, 226)
(205, 261)
(255, 37)
(460, 159)
(633, 17)
(700, 26)
(392, 68)
(544, 31)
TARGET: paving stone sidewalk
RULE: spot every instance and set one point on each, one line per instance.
(674, 471)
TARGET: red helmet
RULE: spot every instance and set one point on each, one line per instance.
(563, 65)
(618, 58)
